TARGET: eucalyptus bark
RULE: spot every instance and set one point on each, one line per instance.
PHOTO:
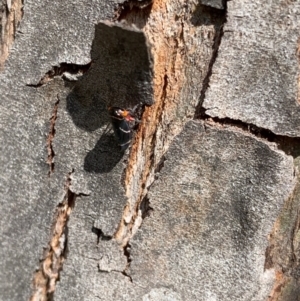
(204, 204)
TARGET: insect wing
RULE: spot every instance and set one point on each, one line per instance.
(121, 121)
(122, 132)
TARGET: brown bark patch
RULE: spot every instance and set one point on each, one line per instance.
(44, 280)
(180, 33)
(168, 62)
(10, 20)
(279, 283)
(283, 252)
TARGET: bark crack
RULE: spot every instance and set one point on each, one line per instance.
(284, 143)
(69, 72)
(282, 252)
(100, 235)
(126, 252)
(137, 213)
(125, 272)
(289, 145)
(50, 138)
(45, 278)
(128, 6)
(152, 138)
(156, 132)
(294, 255)
(219, 32)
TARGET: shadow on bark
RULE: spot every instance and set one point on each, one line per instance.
(120, 75)
(104, 156)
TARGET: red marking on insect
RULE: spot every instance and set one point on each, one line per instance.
(123, 122)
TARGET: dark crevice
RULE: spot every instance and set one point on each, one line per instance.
(164, 94)
(133, 7)
(50, 138)
(63, 69)
(289, 145)
(219, 31)
(125, 272)
(107, 272)
(160, 164)
(100, 235)
(126, 275)
(145, 207)
(248, 127)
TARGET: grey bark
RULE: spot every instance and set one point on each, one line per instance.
(257, 72)
(204, 204)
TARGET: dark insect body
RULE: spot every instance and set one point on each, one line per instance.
(123, 122)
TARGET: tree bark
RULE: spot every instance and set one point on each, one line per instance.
(204, 204)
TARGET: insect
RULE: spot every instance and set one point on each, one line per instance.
(123, 122)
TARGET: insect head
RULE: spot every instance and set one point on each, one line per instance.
(123, 122)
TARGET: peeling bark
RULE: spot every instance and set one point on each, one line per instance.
(283, 252)
(185, 212)
(170, 51)
(45, 278)
(11, 15)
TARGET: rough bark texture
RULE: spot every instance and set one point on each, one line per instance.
(11, 13)
(204, 205)
(257, 71)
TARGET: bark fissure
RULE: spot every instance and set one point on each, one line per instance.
(130, 6)
(45, 278)
(145, 207)
(294, 256)
(50, 138)
(114, 271)
(11, 18)
(216, 45)
(152, 140)
(282, 253)
(289, 145)
(126, 253)
(69, 72)
(136, 213)
(100, 235)
(125, 272)
(287, 268)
